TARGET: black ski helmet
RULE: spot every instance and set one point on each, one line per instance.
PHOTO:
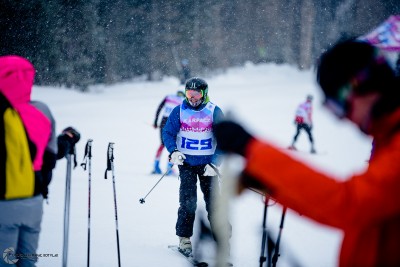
(197, 84)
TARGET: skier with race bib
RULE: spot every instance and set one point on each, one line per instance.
(303, 121)
(188, 136)
(166, 106)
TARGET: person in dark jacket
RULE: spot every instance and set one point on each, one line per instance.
(188, 136)
(185, 70)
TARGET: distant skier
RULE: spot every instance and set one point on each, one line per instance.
(303, 121)
(166, 105)
(185, 74)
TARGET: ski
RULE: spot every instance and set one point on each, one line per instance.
(302, 151)
(189, 257)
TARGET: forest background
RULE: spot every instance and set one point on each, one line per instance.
(78, 43)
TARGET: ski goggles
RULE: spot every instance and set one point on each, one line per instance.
(340, 105)
(194, 94)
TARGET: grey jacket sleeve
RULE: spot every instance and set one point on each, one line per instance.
(52, 144)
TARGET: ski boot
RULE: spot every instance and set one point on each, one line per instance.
(156, 169)
(312, 151)
(292, 147)
(185, 246)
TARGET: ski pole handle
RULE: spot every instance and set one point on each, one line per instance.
(88, 153)
(110, 151)
(110, 158)
(89, 144)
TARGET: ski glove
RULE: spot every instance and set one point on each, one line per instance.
(176, 158)
(210, 170)
(231, 137)
(73, 135)
(66, 141)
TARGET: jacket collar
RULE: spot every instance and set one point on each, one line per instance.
(384, 128)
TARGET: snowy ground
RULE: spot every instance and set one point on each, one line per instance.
(263, 97)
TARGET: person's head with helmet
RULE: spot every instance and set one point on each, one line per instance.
(196, 91)
(309, 98)
(358, 83)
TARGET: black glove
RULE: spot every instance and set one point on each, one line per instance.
(73, 134)
(66, 141)
(231, 137)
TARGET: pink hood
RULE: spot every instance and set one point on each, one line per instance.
(16, 80)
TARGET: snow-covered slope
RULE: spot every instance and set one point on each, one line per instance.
(263, 97)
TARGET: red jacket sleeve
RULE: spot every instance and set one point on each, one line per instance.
(362, 199)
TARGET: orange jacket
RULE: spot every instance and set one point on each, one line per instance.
(366, 206)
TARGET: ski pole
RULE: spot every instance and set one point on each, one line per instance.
(67, 201)
(110, 166)
(88, 158)
(264, 242)
(276, 253)
(221, 208)
(142, 200)
(66, 210)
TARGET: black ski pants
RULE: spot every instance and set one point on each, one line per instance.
(188, 196)
(306, 128)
